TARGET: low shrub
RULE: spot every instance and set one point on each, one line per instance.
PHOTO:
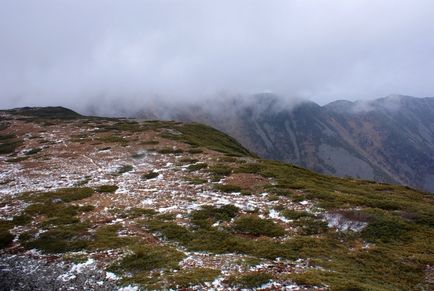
(150, 175)
(61, 239)
(192, 277)
(61, 195)
(170, 151)
(107, 188)
(208, 215)
(125, 168)
(148, 257)
(106, 237)
(220, 170)
(5, 236)
(254, 225)
(32, 151)
(112, 139)
(249, 280)
(197, 167)
(295, 214)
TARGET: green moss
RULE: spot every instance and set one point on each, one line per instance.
(220, 170)
(6, 237)
(250, 279)
(311, 226)
(208, 215)
(17, 160)
(9, 143)
(83, 181)
(22, 219)
(254, 225)
(59, 196)
(197, 167)
(188, 161)
(112, 139)
(125, 168)
(195, 151)
(146, 257)
(32, 151)
(107, 188)
(106, 237)
(150, 142)
(295, 214)
(150, 175)
(170, 151)
(228, 159)
(137, 212)
(60, 239)
(251, 168)
(383, 227)
(192, 277)
(205, 136)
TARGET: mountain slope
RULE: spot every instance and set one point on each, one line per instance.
(389, 139)
(100, 203)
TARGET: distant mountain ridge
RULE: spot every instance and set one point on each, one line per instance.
(389, 139)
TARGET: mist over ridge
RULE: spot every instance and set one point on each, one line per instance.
(107, 52)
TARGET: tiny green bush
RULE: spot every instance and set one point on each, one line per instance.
(249, 168)
(17, 160)
(311, 226)
(208, 215)
(106, 237)
(32, 151)
(125, 168)
(188, 161)
(384, 227)
(9, 143)
(195, 151)
(148, 257)
(112, 139)
(61, 195)
(138, 212)
(62, 239)
(150, 175)
(295, 214)
(249, 280)
(254, 225)
(221, 170)
(197, 167)
(170, 151)
(192, 277)
(150, 142)
(107, 188)
(5, 236)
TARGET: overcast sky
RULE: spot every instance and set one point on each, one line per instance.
(74, 52)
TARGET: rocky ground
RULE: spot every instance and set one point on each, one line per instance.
(142, 186)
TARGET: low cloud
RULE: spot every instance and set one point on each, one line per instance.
(123, 54)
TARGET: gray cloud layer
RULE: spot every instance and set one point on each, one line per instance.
(75, 52)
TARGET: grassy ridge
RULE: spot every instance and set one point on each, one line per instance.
(391, 253)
